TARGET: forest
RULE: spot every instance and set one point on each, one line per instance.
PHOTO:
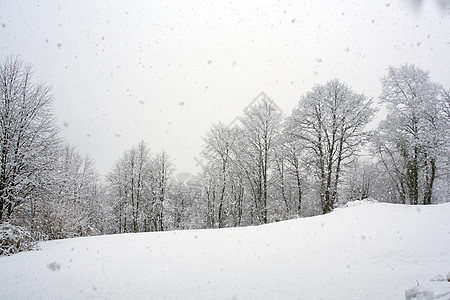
(266, 167)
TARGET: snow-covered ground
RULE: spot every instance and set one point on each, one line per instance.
(366, 251)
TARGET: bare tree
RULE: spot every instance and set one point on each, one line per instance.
(209, 190)
(261, 125)
(162, 172)
(27, 136)
(329, 122)
(130, 185)
(289, 169)
(220, 144)
(414, 133)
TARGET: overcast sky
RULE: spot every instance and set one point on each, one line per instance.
(165, 71)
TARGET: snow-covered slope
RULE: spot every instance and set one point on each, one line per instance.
(369, 251)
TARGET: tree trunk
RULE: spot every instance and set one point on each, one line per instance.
(299, 200)
(222, 196)
(299, 187)
(413, 179)
(120, 220)
(328, 207)
(429, 182)
(283, 189)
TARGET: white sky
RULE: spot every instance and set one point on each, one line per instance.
(165, 71)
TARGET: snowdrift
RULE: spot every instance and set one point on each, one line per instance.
(367, 251)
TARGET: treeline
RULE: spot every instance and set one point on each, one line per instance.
(272, 167)
(264, 168)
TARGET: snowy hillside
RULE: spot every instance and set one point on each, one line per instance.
(369, 251)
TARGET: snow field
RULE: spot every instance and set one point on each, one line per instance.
(367, 251)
